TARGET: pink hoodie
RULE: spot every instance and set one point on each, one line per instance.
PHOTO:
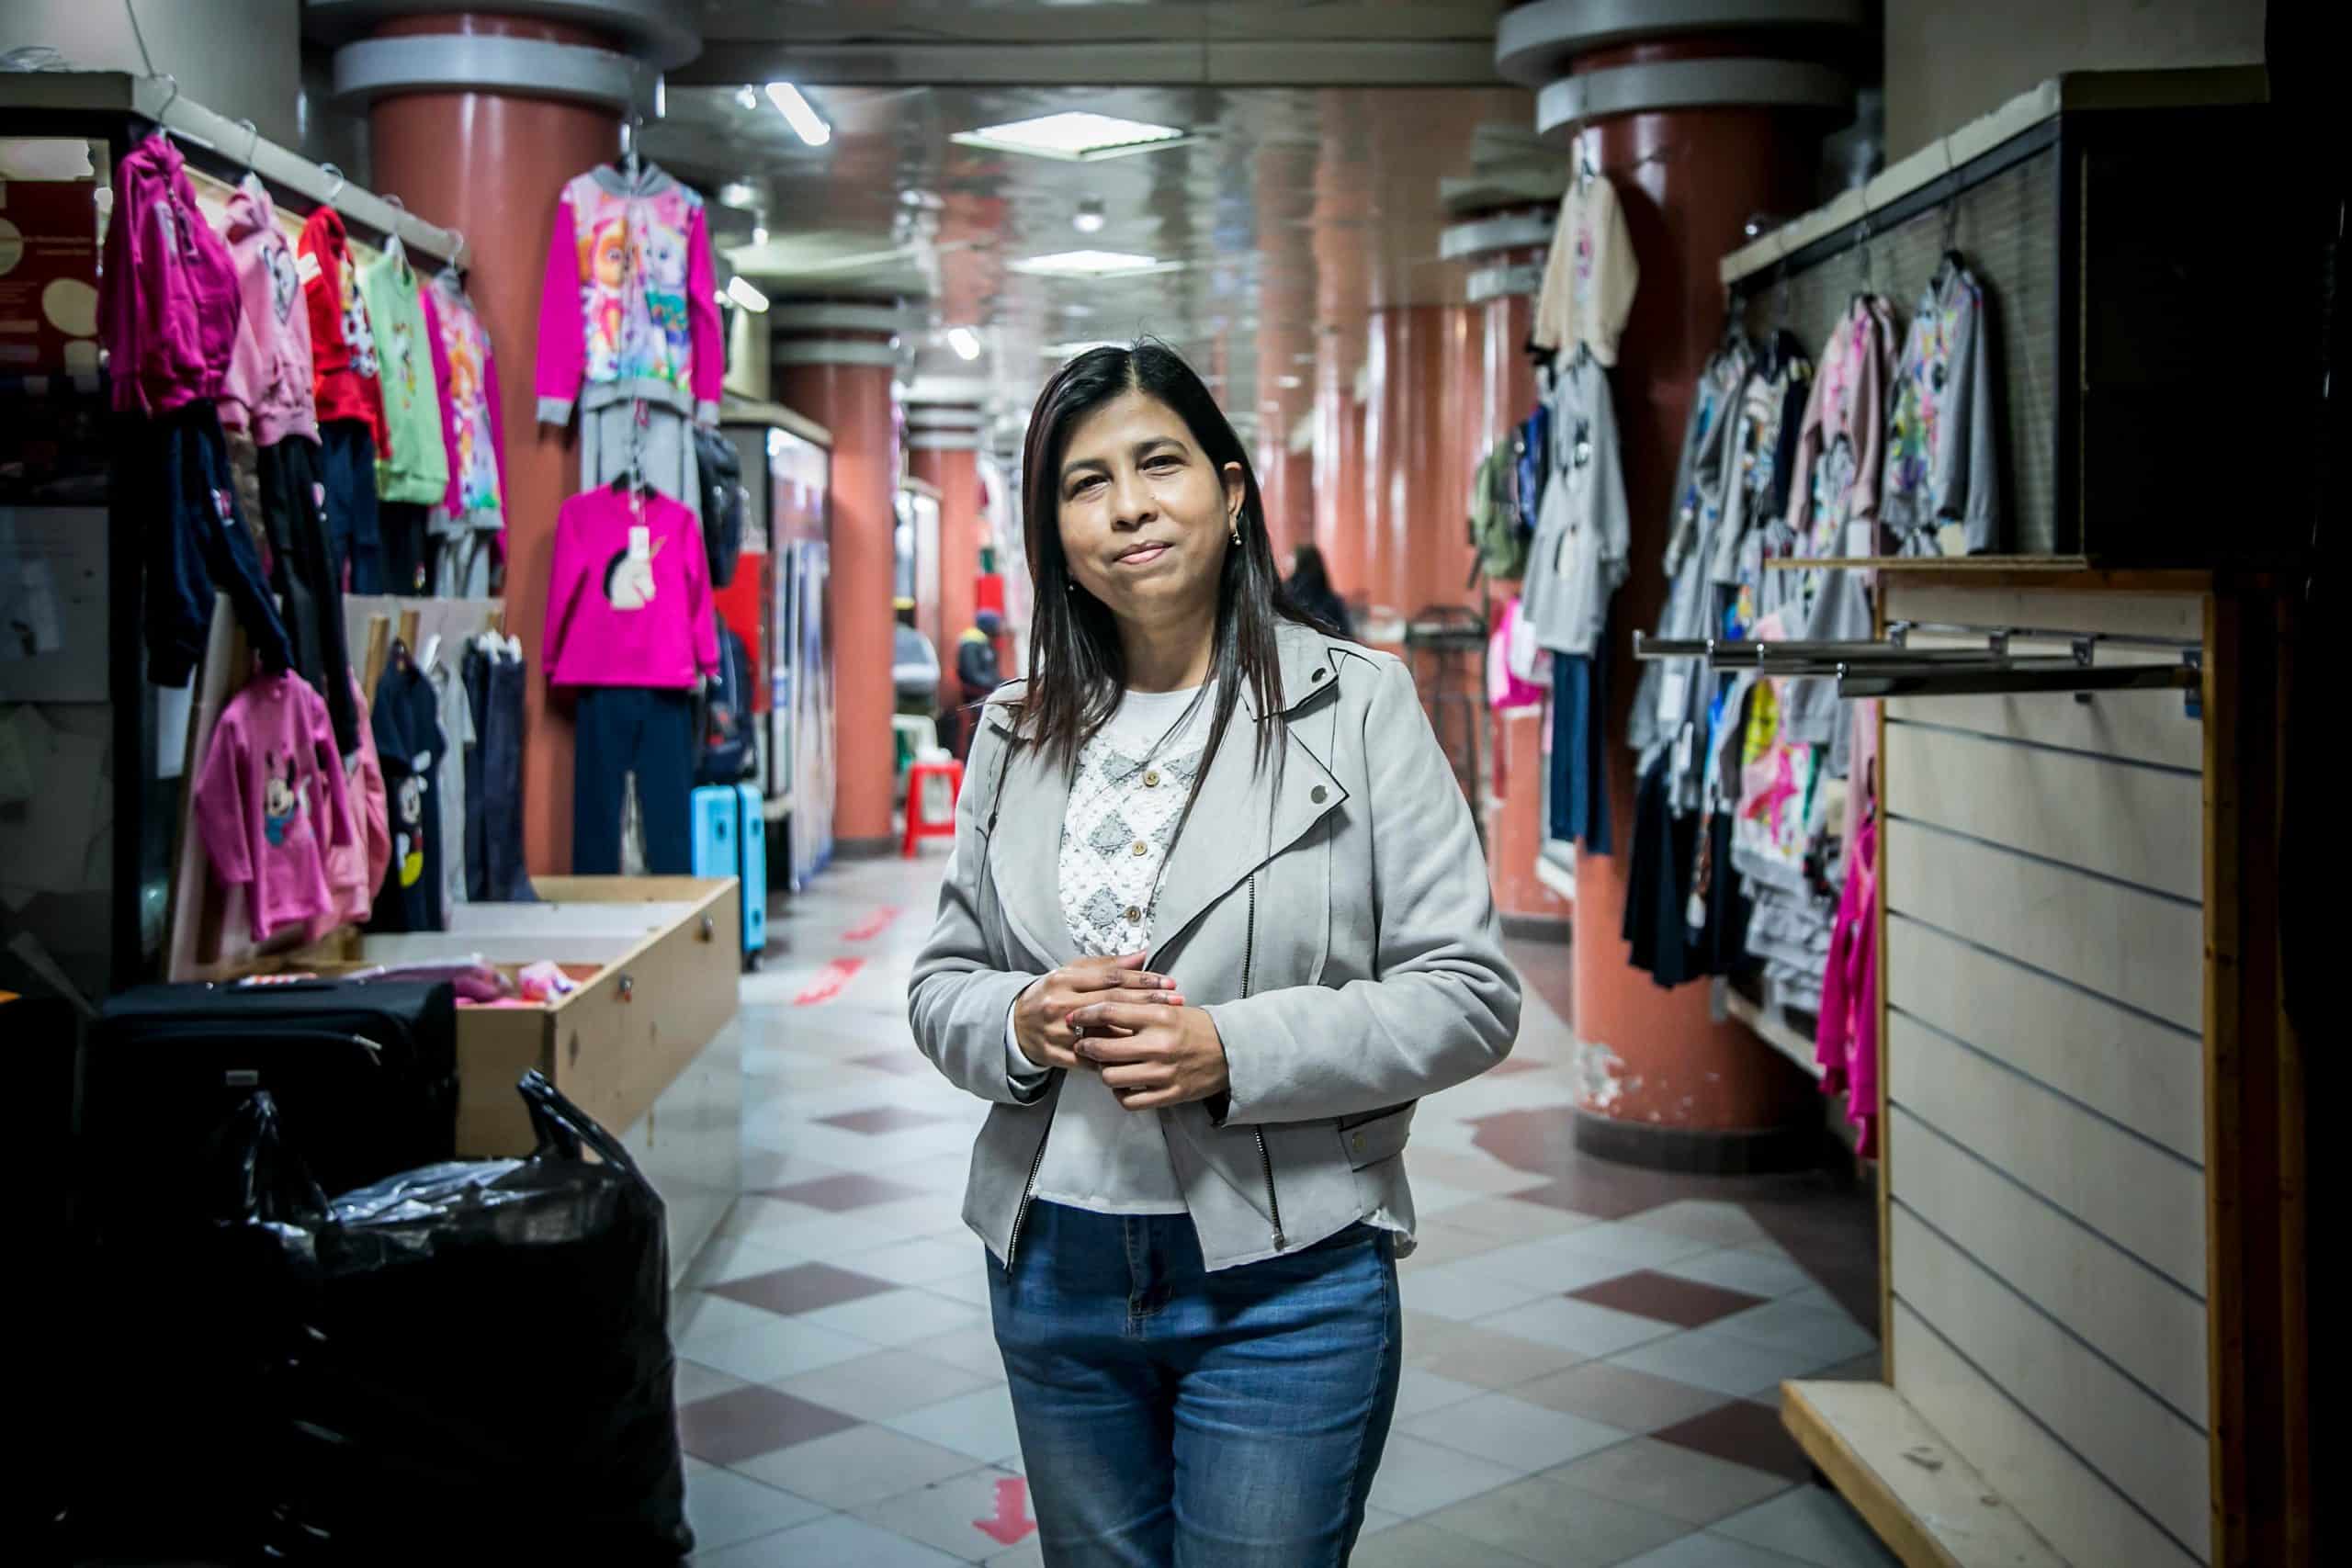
(167, 300)
(629, 602)
(354, 870)
(267, 387)
(271, 805)
(630, 306)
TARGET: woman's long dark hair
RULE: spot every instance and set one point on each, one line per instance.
(1079, 664)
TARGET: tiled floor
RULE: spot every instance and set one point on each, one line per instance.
(1592, 1351)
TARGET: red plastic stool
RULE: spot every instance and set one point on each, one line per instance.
(918, 825)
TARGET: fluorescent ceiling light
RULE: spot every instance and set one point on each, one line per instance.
(747, 96)
(1073, 349)
(964, 342)
(799, 115)
(1085, 264)
(1088, 219)
(1286, 382)
(740, 289)
(738, 193)
(1074, 137)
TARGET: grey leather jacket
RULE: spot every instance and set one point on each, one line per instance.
(1331, 914)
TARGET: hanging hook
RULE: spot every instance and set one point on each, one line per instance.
(253, 140)
(456, 247)
(335, 189)
(168, 102)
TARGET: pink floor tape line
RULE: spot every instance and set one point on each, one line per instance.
(829, 982)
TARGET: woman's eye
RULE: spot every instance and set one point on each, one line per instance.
(1162, 464)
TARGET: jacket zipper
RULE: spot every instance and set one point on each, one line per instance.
(1029, 1188)
(1265, 1159)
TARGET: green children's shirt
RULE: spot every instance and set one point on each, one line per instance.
(417, 467)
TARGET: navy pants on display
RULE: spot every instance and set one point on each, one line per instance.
(1580, 750)
(354, 544)
(174, 491)
(622, 730)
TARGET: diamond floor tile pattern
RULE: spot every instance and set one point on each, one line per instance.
(842, 1401)
(805, 1287)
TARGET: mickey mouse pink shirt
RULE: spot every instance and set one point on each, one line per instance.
(271, 805)
(628, 601)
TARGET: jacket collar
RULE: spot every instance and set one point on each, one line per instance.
(1244, 815)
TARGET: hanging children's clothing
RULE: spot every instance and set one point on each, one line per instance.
(1590, 273)
(1942, 493)
(630, 329)
(629, 621)
(1670, 705)
(168, 301)
(267, 390)
(628, 311)
(472, 513)
(494, 676)
(1583, 533)
(409, 744)
(1756, 502)
(1834, 509)
(348, 398)
(1845, 1045)
(1579, 802)
(415, 468)
(458, 730)
(355, 871)
(271, 805)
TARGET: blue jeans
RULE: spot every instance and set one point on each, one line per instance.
(1173, 1416)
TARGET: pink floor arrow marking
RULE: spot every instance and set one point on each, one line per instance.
(1013, 1520)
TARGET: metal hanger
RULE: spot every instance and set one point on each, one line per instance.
(335, 189)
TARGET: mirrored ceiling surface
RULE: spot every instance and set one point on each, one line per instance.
(1281, 213)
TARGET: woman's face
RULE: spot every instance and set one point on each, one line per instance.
(1146, 517)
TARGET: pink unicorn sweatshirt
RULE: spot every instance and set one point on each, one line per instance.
(271, 805)
(629, 602)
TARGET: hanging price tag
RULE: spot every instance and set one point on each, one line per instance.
(640, 542)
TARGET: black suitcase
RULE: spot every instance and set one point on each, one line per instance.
(364, 1075)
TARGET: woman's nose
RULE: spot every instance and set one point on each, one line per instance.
(1131, 502)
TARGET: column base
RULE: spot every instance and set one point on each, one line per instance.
(1538, 928)
(1696, 1151)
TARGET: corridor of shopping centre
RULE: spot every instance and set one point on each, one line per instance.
(750, 751)
(1593, 1350)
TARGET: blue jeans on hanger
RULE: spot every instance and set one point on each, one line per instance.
(1169, 1416)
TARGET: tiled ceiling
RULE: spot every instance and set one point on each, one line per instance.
(1291, 209)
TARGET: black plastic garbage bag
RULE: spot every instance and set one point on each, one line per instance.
(172, 1321)
(482, 1369)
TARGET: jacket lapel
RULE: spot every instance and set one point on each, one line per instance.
(1025, 854)
(1244, 816)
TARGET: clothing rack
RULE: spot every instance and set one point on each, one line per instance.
(225, 148)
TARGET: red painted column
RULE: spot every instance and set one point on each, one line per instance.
(1686, 180)
(839, 380)
(1441, 536)
(953, 470)
(1339, 471)
(492, 163)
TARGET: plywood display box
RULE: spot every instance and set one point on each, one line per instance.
(657, 961)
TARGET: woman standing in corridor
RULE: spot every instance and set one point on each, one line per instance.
(1215, 919)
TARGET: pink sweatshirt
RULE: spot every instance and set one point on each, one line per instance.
(271, 805)
(628, 601)
(473, 429)
(354, 870)
(629, 308)
(168, 300)
(267, 387)
(1846, 1046)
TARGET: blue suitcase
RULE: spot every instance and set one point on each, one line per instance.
(731, 832)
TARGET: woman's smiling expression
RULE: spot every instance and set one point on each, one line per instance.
(1146, 517)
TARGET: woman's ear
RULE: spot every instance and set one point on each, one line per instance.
(1237, 491)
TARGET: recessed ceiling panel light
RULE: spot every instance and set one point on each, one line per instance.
(1085, 264)
(1076, 137)
(1089, 217)
(804, 120)
(964, 342)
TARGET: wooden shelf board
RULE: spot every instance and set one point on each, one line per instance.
(1927, 1504)
(1773, 1027)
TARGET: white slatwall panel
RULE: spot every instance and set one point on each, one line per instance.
(2089, 1521)
(2143, 1072)
(2099, 1293)
(2044, 972)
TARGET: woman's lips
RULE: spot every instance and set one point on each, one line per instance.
(1143, 555)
